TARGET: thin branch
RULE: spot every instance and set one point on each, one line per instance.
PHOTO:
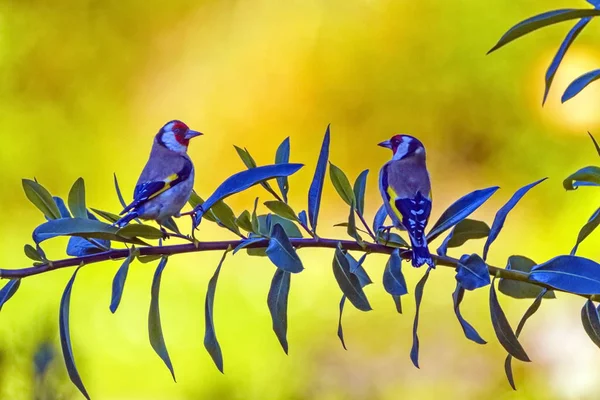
(224, 245)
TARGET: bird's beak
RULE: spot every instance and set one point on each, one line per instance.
(385, 144)
(192, 134)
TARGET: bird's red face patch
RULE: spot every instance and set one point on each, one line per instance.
(179, 130)
(395, 142)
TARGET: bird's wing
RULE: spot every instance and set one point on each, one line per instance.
(415, 214)
(148, 190)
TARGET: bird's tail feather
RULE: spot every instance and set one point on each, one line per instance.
(421, 255)
(126, 219)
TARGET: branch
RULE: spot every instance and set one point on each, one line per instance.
(224, 245)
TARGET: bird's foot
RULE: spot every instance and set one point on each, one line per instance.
(166, 234)
(385, 230)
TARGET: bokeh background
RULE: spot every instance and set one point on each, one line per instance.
(85, 84)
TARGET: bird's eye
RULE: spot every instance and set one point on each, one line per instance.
(176, 130)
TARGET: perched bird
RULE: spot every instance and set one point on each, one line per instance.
(406, 190)
(167, 179)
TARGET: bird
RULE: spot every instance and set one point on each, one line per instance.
(167, 180)
(405, 187)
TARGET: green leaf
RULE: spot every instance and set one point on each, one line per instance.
(282, 156)
(195, 200)
(32, 253)
(341, 183)
(119, 282)
(277, 300)
(9, 290)
(351, 230)
(391, 239)
(588, 228)
(521, 290)
(77, 199)
(210, 338)
(360, 186)
(140, 231)
(589, 176)
(86, 228)
(118, 190)
(224, 214)
(171, 225)
(291, 230)
(282, 209)
(155, 333)
(244, 221)
(106, 215)
(281, 252)
(255, 227)
(348, 282)
(250, 163)
(316, 187)
(465, 230)
(41, 198)
(595, 143)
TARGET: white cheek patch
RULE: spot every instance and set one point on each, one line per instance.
(171, 143)
(401, 151)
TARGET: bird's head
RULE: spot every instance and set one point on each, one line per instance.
(404, 146)
(175, 136)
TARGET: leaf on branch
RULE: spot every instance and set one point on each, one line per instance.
(171, 225)
(281, 252)
(62, 208)
(210, 337)
(393, 279)
(560, 54)
(379, 219)
(264, 229)
(282, 156)
(391, 239)
(360, 187)
(348, 282)
(357, 270)
(591, 321)
(340, 331)
(588, 176)
(246, 242)
(155, 333)
(316, 187)
(79, 247)
(32, 253)
(588, 228)
(277, 300)
(460, 210)
(41, 198)
(530, 311)
(302, 218)
(351, 228)
(397, 303)
(118, 190)
(595, 143)
(140, 231)
(86, 228)
(65, 336)
(250, 163)
(580, 83)
(472, 272)
(541, 21)
(119, 282)
(77, 199)
(521, 290)
(414, 351)
(110, 217)
(504, 332)
(467, 328)
(341, 184)
(282, 209)
(9, 291)
(465, 230)
(242, 181)
(569, 273)
(503, 213)
(224, 216)
(244, 221)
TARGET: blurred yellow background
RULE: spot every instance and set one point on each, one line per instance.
(86, 84)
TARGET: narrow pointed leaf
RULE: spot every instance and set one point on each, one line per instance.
(351, 228)
(9, 291)
(588, 228)
(77, 199)
(595, 143)
(472, 272)
(282, 209)
(155, 333)
(465, 230)
(340, 331)
(87, 228)
(79, 247)
(32, 253)
(281, 252)
(460, 210)
(521, 290)
(110, 217)
(542, 20)
(504, 332)
(393, 279)
(119, 282)
(591, 321)
(210, 337)
(341, 184)
(569, 273)
(65, 336)
(316, 187)
(303, 218)
(503, 213)
(41, 198)
(348, 282)
(360, 187)
(397, 303)
(246, 242)
(391, 239)
(414, 351)
(379, 219)
(244, 221)
(242, 181)
(562, 50)
(467, 328)
(250, 163)
(530, 311)
(277, 300)
(282, 156)
(171, 225)
(140, 231)
(587, 175)
(118, 190)
(225, 216)
(62, 208)
(580, 83)
(356, 268)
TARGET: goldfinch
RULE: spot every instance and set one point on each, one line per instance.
(406, 190)
(167, 180)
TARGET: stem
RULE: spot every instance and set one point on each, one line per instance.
(369, 231)
(224, 245)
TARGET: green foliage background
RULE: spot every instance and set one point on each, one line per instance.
(84, 85)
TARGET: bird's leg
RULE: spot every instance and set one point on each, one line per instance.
(166, 234)
(387, 230)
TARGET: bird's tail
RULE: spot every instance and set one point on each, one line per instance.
(421, 254)
(126, 219)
